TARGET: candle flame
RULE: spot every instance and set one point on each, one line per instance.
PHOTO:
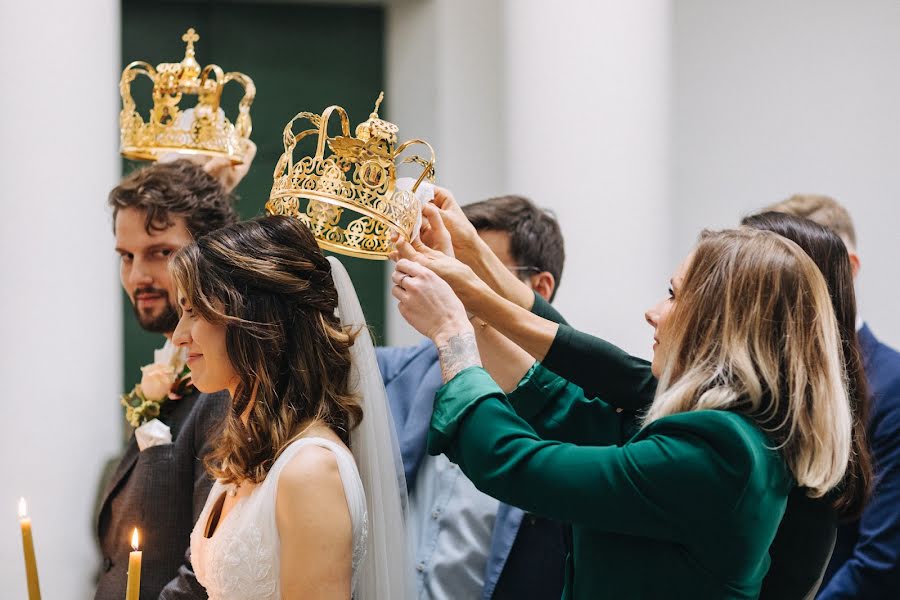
(23, 508)
(134, 539)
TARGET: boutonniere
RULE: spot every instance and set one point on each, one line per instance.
(166, 378)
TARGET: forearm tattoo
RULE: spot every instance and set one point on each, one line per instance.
(460, 352)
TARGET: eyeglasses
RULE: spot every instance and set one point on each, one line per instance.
(524, 273)
(528, 269)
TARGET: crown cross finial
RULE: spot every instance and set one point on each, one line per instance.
(189, 38)
(374, 114)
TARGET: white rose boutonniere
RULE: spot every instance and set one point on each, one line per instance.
(167, 378)
(157, 381)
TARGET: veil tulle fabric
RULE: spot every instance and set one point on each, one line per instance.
(386, 571)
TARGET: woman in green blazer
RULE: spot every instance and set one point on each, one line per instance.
(687, 507)
(558, 409)
(805, 538)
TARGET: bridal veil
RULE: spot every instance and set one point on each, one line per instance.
(386, 571)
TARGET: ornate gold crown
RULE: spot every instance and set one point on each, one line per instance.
(359, 175)
(202, 129)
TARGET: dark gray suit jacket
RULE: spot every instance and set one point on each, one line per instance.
(161, 491)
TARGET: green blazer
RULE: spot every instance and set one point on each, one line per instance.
(801, 548)
(686, 508)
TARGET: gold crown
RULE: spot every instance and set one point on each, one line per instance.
(202, 129)
(358, 175)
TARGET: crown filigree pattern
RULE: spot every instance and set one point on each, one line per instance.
(357, 174)
(202, 129)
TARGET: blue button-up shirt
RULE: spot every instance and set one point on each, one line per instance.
(458, 534)
(451, 524)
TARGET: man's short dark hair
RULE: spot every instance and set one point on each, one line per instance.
(535, 239)
(179, 188)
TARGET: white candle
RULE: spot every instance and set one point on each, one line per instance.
(133, 591)
(31, 574)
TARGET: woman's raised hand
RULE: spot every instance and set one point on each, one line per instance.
(433, 233)
(463, 235)
(230, 175)
(427, 302)
(461, 279)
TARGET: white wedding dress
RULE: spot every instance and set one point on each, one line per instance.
(240, 560)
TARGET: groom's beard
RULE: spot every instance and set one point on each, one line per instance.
(155, 320)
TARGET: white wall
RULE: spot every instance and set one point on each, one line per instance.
(565, 102)
(773, 98)
(642, 123)
(588, 131)
(444, 85)
(60, 330)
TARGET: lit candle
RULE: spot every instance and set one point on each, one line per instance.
(31, 574)
(133, 591)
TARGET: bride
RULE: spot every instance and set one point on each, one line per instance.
(309, 498)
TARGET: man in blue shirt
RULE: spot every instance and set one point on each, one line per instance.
(466, 544)
(866, 561)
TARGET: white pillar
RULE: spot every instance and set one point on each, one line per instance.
(445, 85)
(60, 307)
(775, 98)
(587, 134)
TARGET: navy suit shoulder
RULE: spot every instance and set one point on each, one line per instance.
(866, 559)
(882, 366)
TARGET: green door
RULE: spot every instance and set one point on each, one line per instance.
(301, 58)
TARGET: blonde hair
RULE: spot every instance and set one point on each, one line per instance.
(753, 331)
(824, 210)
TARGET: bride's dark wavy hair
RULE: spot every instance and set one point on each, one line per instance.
(271, 287)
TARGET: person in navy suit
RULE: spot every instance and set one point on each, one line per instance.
(866, 561)
(468, 545)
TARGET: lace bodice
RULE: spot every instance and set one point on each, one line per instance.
(241, 559)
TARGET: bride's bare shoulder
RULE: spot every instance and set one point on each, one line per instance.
(314, 524)
(311, 465)
(311, 493)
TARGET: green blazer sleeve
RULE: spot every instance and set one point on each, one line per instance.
(601, 369)
(650, 487)
(545, 310)
(558, 410)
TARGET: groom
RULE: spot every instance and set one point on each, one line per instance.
(161, 489)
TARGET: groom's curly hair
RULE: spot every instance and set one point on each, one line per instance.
(271, 287)
(175, 189)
